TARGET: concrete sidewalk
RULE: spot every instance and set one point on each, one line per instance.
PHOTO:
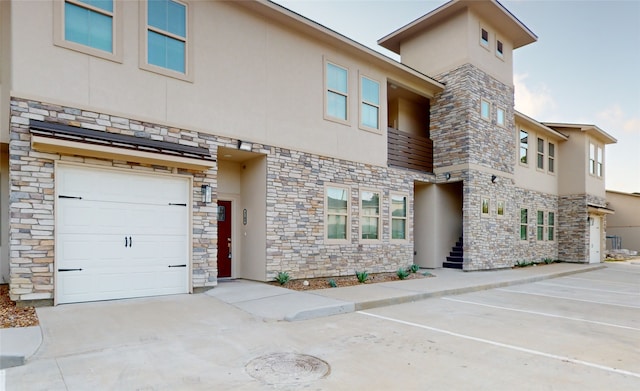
(274, 303)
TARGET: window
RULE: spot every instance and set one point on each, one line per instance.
(499, 49)
(370, 105)
(88, 26)
(166, 35)
(540, 154)
(551, 225)
(500, 208)
(485, 109)
(524, 146)
(524, 221)
(599, 162)
(540, 226)
(484, 38)
(370, 215)
(552, 157)
(398, 216)
(337, 206)
(500, 116)
(592, 159)
(337, 92)
(485, 207)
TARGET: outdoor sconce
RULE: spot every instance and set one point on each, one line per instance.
(494, 179)
(206, 193)
(244, 146)
(447, 175)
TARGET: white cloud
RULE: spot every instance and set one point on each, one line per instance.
(532, 101)
(616, 121)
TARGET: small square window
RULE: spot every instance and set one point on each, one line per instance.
(485, 109)
(500, 208)
(484, 37)
(500, 116)
(499, 49)
(485, 206)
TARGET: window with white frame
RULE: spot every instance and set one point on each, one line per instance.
(540, 154)
(166, 35)
(370, 104)
(540, 225)
(592, 159)
(599, 160)
(524, 222)
(398, 216)
(369, 215)
(551, 165)
(484, 38)
(524, 147)
(337, 212)
(485, 109)
(500, 116)
(551, 226)
(337, 91)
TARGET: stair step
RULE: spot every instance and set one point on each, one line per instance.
(455, 259)
(456, 253)
(452, 265)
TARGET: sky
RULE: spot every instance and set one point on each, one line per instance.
(584, 68)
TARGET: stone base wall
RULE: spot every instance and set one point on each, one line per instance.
(573, 229)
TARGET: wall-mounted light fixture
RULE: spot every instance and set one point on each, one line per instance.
(447, 175)
(206, 193)
(244, 145)
(494, 179)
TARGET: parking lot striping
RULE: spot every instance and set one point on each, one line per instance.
(595, 280)
(567, 298)
(504, 345)
(542, 314)
(589, 289)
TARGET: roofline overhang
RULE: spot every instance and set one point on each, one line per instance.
(282, 14)
(600, 209)
(589, 129)
(538, 125)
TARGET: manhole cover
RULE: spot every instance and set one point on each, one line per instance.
(287, 368)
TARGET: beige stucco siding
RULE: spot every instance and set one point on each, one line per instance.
(625, 223)
(529, 176)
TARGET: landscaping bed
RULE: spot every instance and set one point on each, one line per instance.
(343, 281)
(12, 315)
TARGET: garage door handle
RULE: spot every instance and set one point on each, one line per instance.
(69, 270)
(70, 197)
(177, 265)
(129, 242)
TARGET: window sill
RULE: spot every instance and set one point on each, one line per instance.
(188, 77)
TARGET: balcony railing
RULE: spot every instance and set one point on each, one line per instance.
(410, 151)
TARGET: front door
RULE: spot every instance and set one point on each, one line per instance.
(594, 239)
(224, 239)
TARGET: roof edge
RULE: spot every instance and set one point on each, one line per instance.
(587, 128)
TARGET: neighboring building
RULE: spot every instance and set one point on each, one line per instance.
(623, 228)
(154, 147)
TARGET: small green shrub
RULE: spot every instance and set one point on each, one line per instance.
(548, 261)
(283, 278)
(523, 263)
(402, 273)
(414, 268)
(333, 283)
(362, 276)
(427, 274)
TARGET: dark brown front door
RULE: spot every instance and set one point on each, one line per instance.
(224, 239)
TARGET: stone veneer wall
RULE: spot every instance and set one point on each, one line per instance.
(31, 233)
(295, 216)
(573, 228)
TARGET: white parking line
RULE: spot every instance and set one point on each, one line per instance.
(589, 289)
(599, 280)
(542, 314)
(567, 298)
(507, 346)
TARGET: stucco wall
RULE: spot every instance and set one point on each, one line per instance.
(625, 223)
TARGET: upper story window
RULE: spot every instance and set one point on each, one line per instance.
(370, 105)
(89, 26)
(398, 216)
(485, 109)
(500, 116)
(524, 146)
(595, 160)
(552, 157)
(484, 38)
(370, 215)
(484, 210)
(166, 34)
(337, 213)
(337, 92)
(499, 49)
(540, 154)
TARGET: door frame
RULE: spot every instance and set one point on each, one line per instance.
(595, 240)
(235, 236)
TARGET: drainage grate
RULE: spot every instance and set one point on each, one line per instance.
(287, 368)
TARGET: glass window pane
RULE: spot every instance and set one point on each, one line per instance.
(485, 206)
(398, 206)
(101, 35)
(336, 78)
(552, 218)
(156, 49)
(370, 91)
(177, 19)
(550, 233)
(540, 217)
(76, 25)
(370, 203)
(175, 55)
(398, 229)
(500, 116)
(369, 227)
(106, 5)
(337, 227)
(523, 216)
(484, 109)
(369, 116)
(337, 200)
(157, 14)
(336, 105)
(552, 149)
(523, 232)
(500, 208)
(540, 233)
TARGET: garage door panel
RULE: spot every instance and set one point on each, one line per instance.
(121, 237)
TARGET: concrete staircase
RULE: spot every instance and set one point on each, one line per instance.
(455, 258)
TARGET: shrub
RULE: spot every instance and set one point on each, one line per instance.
(548, 261)
(414, 268)
(333, 283)
(283, 278)
(402, 273)
(362, 276)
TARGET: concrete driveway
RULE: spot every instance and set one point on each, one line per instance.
(579, 332)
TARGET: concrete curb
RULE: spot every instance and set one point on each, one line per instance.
(18, 345)
(321, 312)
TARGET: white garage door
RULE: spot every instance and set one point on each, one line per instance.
(120, 234)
